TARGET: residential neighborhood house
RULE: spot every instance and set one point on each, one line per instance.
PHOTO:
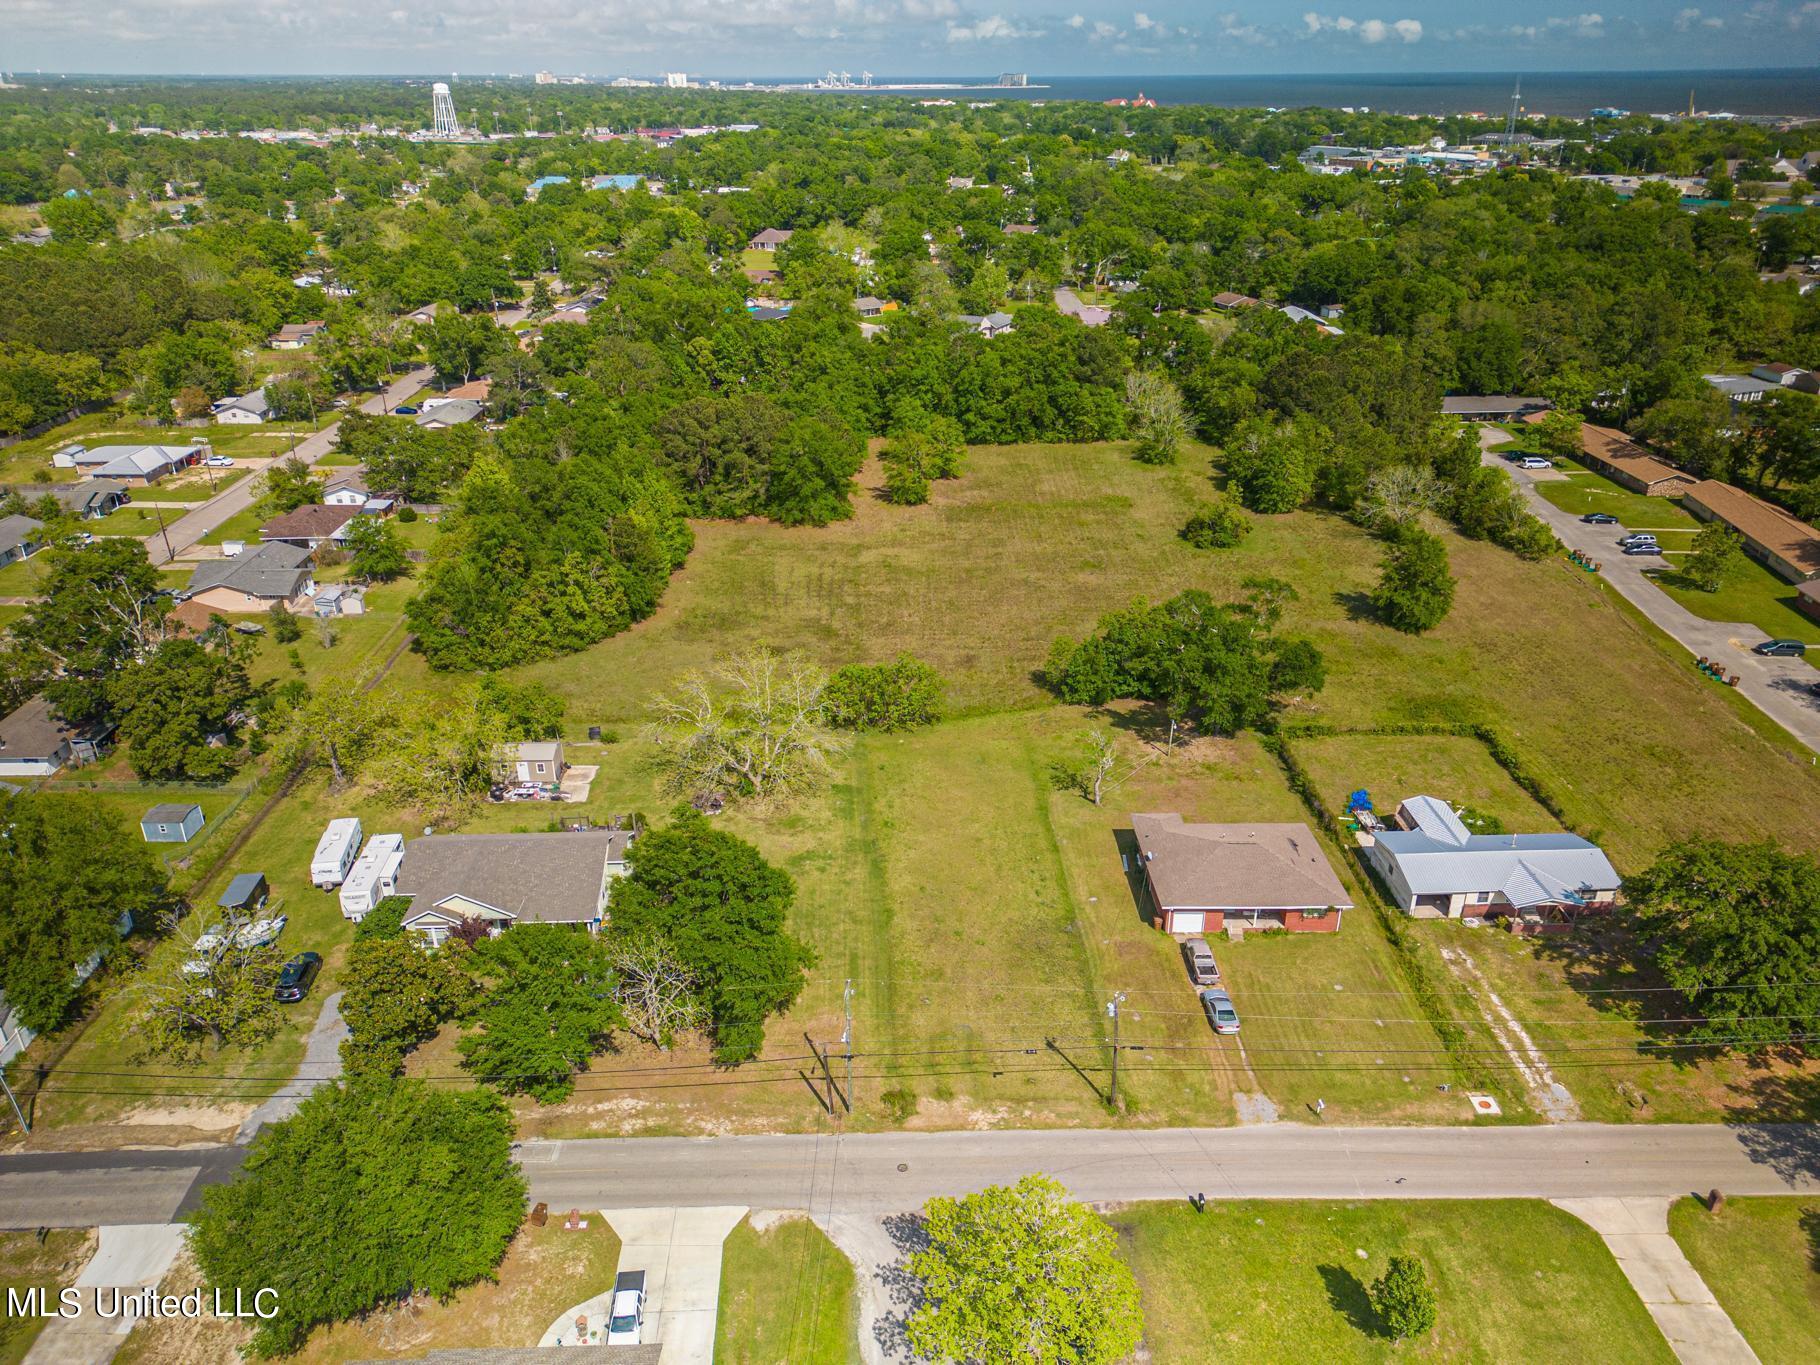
(310, 526)
(20, 538)
(86, 501)
(1778, 540)
(294, 336)
(990, 325)
(34, 742)
(1436, 868)
(1627, 464)
(1202, 879)
(144, 464)
(247, 410)
(1500, 407)
(506, 879)
(450, 414)
(770, 239)
(274, 572)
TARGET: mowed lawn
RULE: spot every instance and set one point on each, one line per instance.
(788, 1296)
(27, 1263)
(1761, 1259)
(1286, 1280)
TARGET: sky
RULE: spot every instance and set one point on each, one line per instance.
(743, 38)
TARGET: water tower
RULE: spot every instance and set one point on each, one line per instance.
(442, 111)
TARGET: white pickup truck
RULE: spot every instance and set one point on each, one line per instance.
(625, 1323)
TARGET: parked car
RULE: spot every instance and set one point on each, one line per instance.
(626, 1319)
(1643, 547)
(1202, 969)
(1599, 519)
(219, 462)
(1220, 1013)
(1777, 649)
(1535, 462)
(1638, 538)
(406, 410)
(298, 975)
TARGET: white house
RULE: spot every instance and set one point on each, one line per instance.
(1435, 867)
(249, 409)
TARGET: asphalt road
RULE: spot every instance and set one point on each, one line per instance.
(872, 1173)
(1777, 687)
(193, 526)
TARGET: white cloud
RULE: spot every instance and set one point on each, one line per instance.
(1077, 21)
(992, 29)
(1142, 21)
(1366, 30)
(1690, 18)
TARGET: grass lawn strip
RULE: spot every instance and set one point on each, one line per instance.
(1761, 1259)
(27, 1263)
(1286, 1280)
(787, 1293)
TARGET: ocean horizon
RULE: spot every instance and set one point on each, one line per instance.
(1793, 91)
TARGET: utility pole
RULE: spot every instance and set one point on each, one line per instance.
(846, 1040)
(18, 1113)
(1112, 1008)
(169, 553)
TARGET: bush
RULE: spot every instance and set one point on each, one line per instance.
(1415, 591)
(899, 1104)
(905, 485)
(1403, 1300)
(1216, 526)
(896, 696)
(407, 514)
(285, 627)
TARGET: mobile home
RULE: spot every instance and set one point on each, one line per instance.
(375, 875)
(335, 853)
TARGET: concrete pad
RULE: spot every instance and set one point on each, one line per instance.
(1680, 1303)
(679, 1251)
(127, 1257)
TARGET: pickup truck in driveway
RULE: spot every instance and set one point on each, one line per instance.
(625, 1323)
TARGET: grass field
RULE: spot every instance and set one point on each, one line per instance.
(1752, 595)
(1761, 1259)
(1584, 491)
(787, 1297)
(27, 1263)
(1286, 1280)
(546, 1272)
(1394, 767)
(196, 487)
(979, 912)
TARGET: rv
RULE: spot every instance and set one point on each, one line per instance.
(335, 853)
(375, 875)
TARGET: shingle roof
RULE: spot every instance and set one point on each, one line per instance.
(168, 813)
(312, 521)
(272, 570)
(1784, 535)
(17, 530)
(1614, 448)
(553, 878)
(242, 889)
(1243, 867)
(450, 414)
(32, 732)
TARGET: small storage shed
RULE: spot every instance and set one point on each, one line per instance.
(246, 893)
(171, 822)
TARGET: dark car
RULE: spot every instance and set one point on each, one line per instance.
(1643, 547)
(405, 410)
(1776, 649)
(295, 980)
(1599, 519)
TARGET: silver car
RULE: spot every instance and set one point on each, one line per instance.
(1202, 969)
(1220, 1013)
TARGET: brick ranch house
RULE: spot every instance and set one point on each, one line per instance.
(1203, 879)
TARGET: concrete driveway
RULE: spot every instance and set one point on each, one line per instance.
(1777, 687)
(679, 1251)
(127, 1258)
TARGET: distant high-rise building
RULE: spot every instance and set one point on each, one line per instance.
(442, 111)
(676, 80)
